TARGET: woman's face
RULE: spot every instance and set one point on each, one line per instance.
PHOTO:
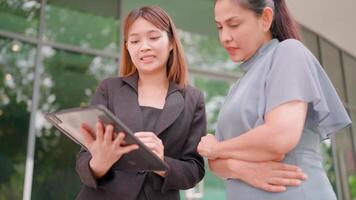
(241, 32)
(148, 47)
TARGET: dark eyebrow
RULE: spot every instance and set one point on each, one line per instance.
(230, 19)
(233, 18)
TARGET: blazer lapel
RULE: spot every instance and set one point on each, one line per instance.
(172, 109)
(126, 101)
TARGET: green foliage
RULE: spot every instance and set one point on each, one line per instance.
(328, 164)
(14, 17)
(352, 184)
(15, 98)
(81, 29)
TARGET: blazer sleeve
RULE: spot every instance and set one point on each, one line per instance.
(83, 157)
(186, 172)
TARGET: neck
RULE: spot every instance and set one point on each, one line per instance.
(157, 80)
(267, 37)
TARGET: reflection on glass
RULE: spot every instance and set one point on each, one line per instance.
(214, 92)
(204, 52)
(16, 79)
(82, 29)
(19, 16)
(68, 80)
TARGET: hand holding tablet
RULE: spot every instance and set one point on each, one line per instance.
(71, 121)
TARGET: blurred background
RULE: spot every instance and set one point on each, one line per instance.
(53, 54)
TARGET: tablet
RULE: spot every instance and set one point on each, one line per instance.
(69, 121)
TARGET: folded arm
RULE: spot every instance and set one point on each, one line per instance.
(270, 141)
(269, 176)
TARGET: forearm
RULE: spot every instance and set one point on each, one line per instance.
(227, 168)
(259, 144)
(220, 168)
(270, 141)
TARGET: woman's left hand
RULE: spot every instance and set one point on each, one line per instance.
(206, 146)
(154, 144)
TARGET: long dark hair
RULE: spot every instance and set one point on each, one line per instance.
(283, 25)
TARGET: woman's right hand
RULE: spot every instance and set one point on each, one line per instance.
(105, 149)
(269, 176)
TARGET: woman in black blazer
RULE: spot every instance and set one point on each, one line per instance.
(153, 98)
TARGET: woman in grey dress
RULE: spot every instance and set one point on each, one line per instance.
(279, 110)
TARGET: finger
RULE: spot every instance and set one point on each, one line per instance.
(273, 188)
(151, 145)
(290, 174)
(150, 140)
(145, 135)
(108, 133)
(88, 138)
(119, 140)
(141, 134)
(157, 149)
(202, 151)
(287, 167)
(88, 128)
(99, 131)
(127, 149)
(284, 182)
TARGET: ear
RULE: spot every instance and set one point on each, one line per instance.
(267, 18)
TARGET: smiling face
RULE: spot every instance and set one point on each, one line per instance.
(148, 46)
(241, 32)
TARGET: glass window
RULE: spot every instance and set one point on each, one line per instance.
(19, 16)
(310, 39)
(16, 80)
(214, 92)
(350, 71)
(334, 66)
(205, 52)
(68, 80)
(80, 28)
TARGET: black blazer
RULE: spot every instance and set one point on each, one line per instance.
(180, 126)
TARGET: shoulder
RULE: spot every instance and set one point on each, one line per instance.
(193, 94)
(291, 44)
(109, 83)
(292, 53)
(192, 91)
(292, 59)
(293, 48)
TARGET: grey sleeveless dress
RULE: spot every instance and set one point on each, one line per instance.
(280, 72)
